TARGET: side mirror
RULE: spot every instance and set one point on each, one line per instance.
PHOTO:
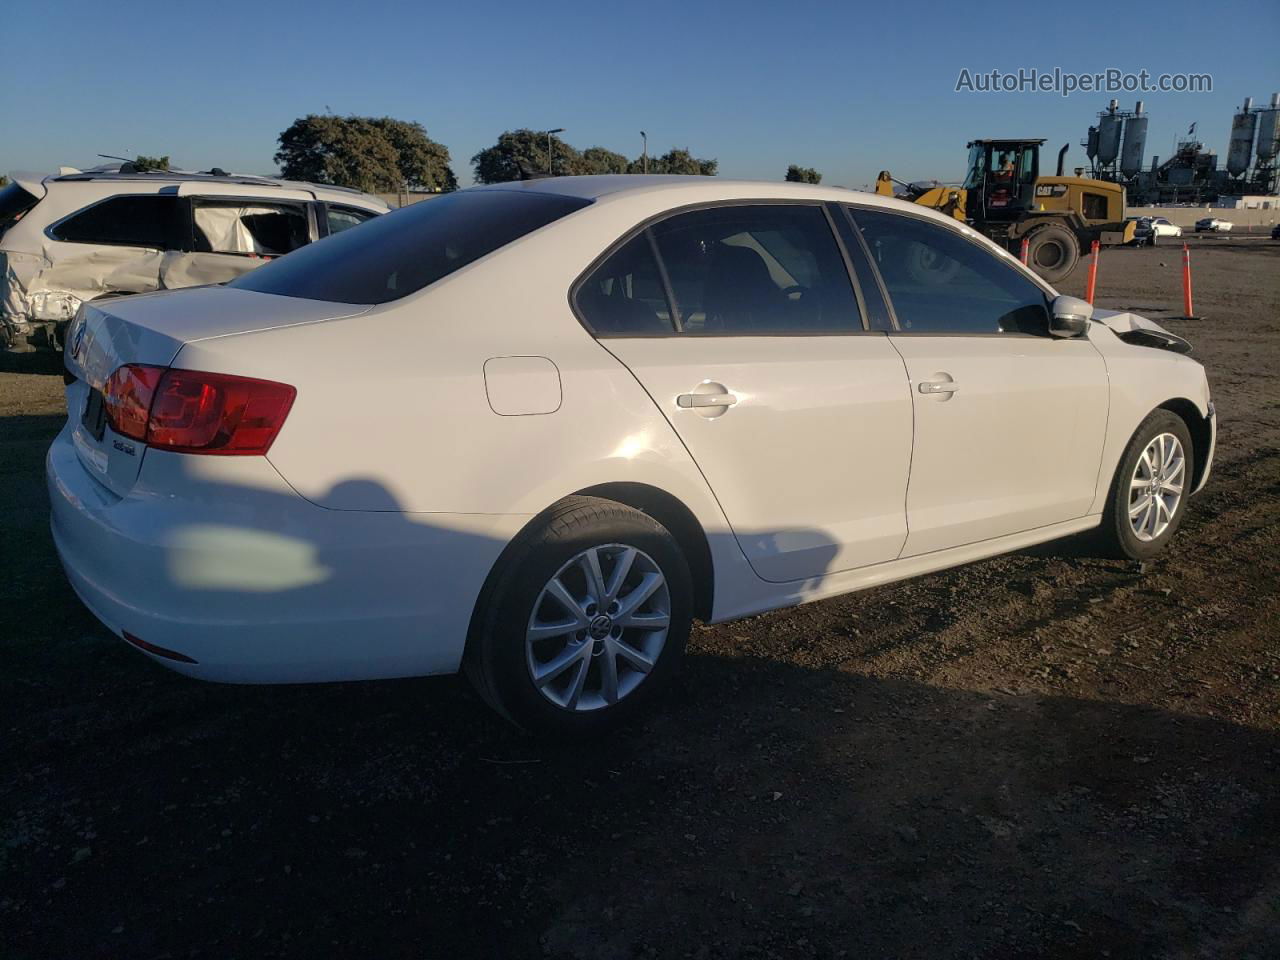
(1069, 316)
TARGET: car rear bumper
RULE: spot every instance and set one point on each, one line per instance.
(253, 584)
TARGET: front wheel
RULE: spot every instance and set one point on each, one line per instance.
(1052, 252)
(587, 619)
(1150, 488)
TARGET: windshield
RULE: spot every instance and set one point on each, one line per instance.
(14, 204)
(394, 255)
(977, 156)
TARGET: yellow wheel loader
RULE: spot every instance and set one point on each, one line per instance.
(1005, 197)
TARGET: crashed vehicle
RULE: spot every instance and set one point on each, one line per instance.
(78, 235)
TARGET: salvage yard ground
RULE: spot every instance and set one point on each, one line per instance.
(1047, 754)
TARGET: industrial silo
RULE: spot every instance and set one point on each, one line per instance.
(1135, 142)
(1109, 127)
(1269, 132)
(1240, 148)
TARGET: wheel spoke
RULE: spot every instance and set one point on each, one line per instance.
(545, 631)
(609, 676)
(636, 658)
(645, 621)
(579, 680)
(1152, 518)
(568, 657)
(1137, 508)
(567, 600)
(621, 567)
(632, 602)
(590, 564)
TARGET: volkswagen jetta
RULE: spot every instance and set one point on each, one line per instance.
(595, 409)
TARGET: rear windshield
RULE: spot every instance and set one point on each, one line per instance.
(14, 203)
(396, 254)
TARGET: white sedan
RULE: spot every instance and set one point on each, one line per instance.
(1213, 225)
(533, 430)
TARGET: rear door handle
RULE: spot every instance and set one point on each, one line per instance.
(939, 386)
(690, 400)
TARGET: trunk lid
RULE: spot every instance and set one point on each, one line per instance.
(151, 329)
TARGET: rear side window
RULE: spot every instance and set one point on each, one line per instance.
(248, 227)
(338, 219)
(14, 204)
(401, 252)
(624, 295)
(941, 282)
(136, 221)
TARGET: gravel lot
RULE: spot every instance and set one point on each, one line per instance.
(1046, 754)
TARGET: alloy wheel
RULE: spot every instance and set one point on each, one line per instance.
(598, 627)
(1155, 489)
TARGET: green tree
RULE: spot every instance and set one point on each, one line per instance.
(424, 164)
(677, 161)
(501, 162)
(600, 160)
(797, 174)
(366, 153)
(4, 181)
(147, 164)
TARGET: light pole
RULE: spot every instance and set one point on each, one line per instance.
(550, 154)
(644, 137)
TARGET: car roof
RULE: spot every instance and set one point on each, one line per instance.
(696, 189)
(187, 176)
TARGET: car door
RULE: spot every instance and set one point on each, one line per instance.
(1009, 421)
(228, 235)
(742, 323)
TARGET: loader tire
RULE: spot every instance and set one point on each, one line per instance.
(1052, 252)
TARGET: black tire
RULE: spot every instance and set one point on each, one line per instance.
(496, 662)
(1117, 536)
(1052, 252)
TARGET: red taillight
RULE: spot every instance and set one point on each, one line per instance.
(127, 398)
(191, 411)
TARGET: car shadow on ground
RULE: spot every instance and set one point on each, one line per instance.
(765, 809)
(42, 362)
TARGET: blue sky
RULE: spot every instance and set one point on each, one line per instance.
(756, 85)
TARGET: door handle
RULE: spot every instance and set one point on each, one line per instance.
(687, 401)
(939, 386)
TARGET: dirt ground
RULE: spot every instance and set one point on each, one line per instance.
(1046, 754)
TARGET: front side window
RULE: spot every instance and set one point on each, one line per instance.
(401, 252)
(941, 282)
(248, 228)
(755, 270)
(136, 221)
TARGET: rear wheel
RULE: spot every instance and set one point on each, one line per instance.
(1150, 489)
(1052, 252)
(586, 619)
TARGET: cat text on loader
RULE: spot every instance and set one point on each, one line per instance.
(1004, 197)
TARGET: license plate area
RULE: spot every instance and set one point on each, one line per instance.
(94, 418)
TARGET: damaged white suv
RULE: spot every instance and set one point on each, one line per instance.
(82, 235)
